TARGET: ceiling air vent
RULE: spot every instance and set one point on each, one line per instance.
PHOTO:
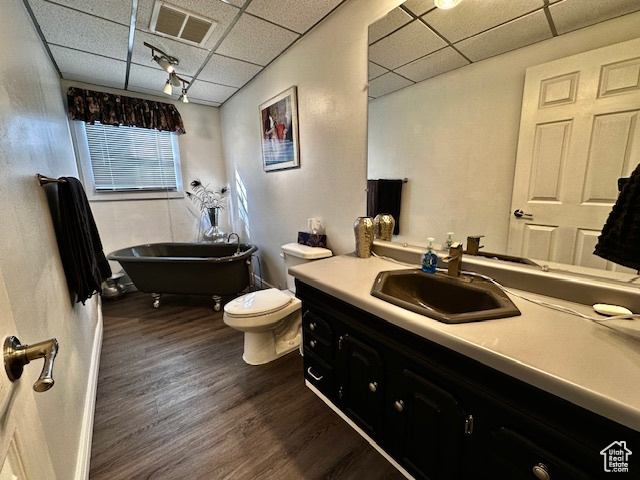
(174, 22)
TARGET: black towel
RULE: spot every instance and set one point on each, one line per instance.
(384, 196)
(85, 264)
(620, 238)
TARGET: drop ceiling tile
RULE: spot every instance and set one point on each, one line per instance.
(376, 70)
(115, 11)
(387, 83)
(191, 58)
(412, 41)
(89, 68)
(219, 11)
(295, 15)
(151, 79)
(69, 28)
(228, 71)
(419, 7)
(472, 17)
(256, 41)
(211, 92)
(570, 15)
(438, 62)
(387, 24)
(521, 32)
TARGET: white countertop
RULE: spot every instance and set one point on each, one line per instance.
(573, 358)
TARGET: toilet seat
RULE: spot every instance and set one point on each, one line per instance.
(262, 302)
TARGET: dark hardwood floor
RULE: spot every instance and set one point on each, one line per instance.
(175, 400)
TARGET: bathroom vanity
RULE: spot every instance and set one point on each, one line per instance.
(542, 395)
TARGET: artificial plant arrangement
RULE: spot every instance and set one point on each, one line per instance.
(205, 197)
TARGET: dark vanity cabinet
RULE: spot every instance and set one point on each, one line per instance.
(442, 415)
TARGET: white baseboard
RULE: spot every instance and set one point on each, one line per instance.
(359, 430)
(86, 432)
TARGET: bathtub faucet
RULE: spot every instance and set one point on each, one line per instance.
(237, 241)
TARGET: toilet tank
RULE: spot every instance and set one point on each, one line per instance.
(295, 254)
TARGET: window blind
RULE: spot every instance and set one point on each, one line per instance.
(130, 158)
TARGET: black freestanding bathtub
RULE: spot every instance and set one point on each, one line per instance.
(188, 268)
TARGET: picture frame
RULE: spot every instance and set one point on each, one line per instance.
(279, 131)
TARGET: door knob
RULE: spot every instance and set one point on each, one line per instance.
(520, 214)
(16, 356)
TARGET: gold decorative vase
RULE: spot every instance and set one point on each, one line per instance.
(363, 229)
(384, 224)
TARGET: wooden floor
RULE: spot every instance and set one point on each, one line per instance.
(175, 400)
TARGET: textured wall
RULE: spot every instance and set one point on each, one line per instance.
(329, 67)
(34, 138)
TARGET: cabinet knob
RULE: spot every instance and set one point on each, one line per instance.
(373, 386)
(312, 326)
(398, 405)
(313, 343)
(541, 472)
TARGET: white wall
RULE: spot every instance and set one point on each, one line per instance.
(329, 67)
(34, 138)
(124, 223)
(455, 137)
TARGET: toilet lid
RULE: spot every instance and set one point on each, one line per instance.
(258, 303)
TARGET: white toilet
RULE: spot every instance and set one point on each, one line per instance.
(271, 319)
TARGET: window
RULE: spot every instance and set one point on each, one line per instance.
(119, 162)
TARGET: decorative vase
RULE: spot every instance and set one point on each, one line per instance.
(214, 234)
(384, 224)
(363, 229)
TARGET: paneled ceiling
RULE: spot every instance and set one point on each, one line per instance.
(417, 41)
(102, 41)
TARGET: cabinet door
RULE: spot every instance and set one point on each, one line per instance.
(426, 426)
(515, 457)
(362, 386)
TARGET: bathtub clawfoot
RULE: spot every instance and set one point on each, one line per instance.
(156, 299)
(218, 300)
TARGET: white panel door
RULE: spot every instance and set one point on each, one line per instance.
(24, 453)
(579, 132)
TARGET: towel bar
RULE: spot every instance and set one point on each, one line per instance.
(44, 180)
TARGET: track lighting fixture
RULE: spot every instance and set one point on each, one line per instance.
(167, 62)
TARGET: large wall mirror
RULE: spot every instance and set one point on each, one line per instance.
(502, 105)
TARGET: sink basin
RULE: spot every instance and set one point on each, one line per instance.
(444, 298)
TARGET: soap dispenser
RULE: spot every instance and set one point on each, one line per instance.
(429, 259)
(448, 242)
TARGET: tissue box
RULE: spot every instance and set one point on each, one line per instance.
(312, 239)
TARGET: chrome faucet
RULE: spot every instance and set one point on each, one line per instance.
(473, 244)
(454, 259)
(237, 242)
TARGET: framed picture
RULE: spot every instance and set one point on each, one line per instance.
(279, 131)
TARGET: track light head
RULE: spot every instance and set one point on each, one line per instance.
(183, 97)
(164, 63)
(173, 78)
(167, 88)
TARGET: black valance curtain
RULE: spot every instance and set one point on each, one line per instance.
(109, 109)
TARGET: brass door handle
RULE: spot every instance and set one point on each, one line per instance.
(16, 356)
